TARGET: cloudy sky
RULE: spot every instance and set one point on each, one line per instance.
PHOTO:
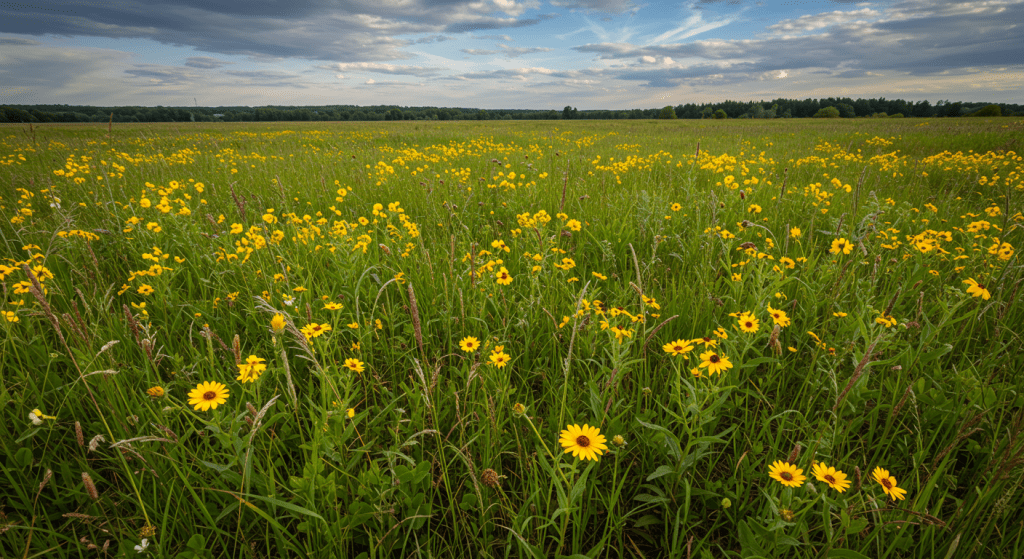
(591, 54)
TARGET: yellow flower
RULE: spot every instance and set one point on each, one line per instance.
(503, 276)
(145, 289)
(841, 245)
(976, 289)
(678, 347)
(714, 363)
(155, 391)
(251, 370)
(831, 476)
(779, 317)
(787, 474)
(585, 442)
(888, 484)
(333, 306)
(10, 316)
(207, 395)
(277, 323)
(469, 344)
(499, 359)
(353, 325)
(794, 232)
(314, 330)
(354, 365)
(351, 412)
(748, 323)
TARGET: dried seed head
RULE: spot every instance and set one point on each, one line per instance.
(94, 443)
(856, 479)
(490, 478)
(79, 436)
(90, 487)
(251, 408)
(236, 348)
(46, 479)
(794, 454)
(147, 531)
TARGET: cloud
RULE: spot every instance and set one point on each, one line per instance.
(813, 22)
(18, 41)
(479, 52)
(607, 6)
(330, 30)
(205, 62)
(514, 52)
(380, 68)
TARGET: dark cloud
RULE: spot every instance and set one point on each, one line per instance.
(11, 41)
(310, 29)
(205, 62)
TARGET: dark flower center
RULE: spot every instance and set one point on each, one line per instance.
(831, 480)
(980, 286)
(582, 441)
(713, 358)
(786, 476)
(886, 484)
(706, 340)
(678, 348)
(750, 324)
(841, 245)
(210, 395)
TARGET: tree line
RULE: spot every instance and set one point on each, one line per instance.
(831, 107)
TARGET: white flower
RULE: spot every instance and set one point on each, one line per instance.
(141, 548)
(35, 419)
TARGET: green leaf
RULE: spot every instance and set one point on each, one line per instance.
(661, 471)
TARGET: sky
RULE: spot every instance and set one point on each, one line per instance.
(506, 54)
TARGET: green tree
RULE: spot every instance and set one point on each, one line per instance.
(667, 112)
(827, 112)
(988, 110)
(720, 114)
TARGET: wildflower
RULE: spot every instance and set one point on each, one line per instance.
(841, 245)
(353, 325)
(794, 232)
(251, 370)
(678, 347)
(518, 409)
(37, 417)
(737, 277)
(277, 323)
(618, 441)
(676, 206)
(787, 262)
(721, 333)
(145, 289)
(839, 314)
(503, 276)
(333, 306)
(714, 363)
(748, 323)
(314, 330)
(831, 476)
(599, 276)
(499, 358)
(787, 474)
(886, 320)
(155, 391)
(141, 548)
(977, 290)
(207, 395)
(351, 412)
(587, 442)
(10, 316)
(779, 317)
(354, 365)
(888, 484)
(469, 344)
(621, 333)
(708, 342)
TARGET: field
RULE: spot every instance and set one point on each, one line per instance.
(490, 339)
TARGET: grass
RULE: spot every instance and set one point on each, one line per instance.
(829, 262)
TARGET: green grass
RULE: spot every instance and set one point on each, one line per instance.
(436, 460)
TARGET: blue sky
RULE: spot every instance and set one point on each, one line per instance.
(591, 54)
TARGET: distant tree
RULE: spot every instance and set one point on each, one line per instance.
(667, 112)
(569, 113)
(952, 109)
(846, 110)
(720, 114)
(827, 112)
(988, 110)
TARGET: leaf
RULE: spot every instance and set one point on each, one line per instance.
(661, 471)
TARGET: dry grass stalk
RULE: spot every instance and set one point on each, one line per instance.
(416, 326)
(857, 372)
(79, 436)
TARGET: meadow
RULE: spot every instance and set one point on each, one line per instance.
(531, 339)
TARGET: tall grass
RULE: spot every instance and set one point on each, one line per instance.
(382, 437)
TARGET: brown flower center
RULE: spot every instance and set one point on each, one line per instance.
(841, 245)
(714, 358)
(582, 441)
(210, 395)
(980, 286)
(749, 324)
(831, 480)
(786, 476)
(886, 484)
(678, 348)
